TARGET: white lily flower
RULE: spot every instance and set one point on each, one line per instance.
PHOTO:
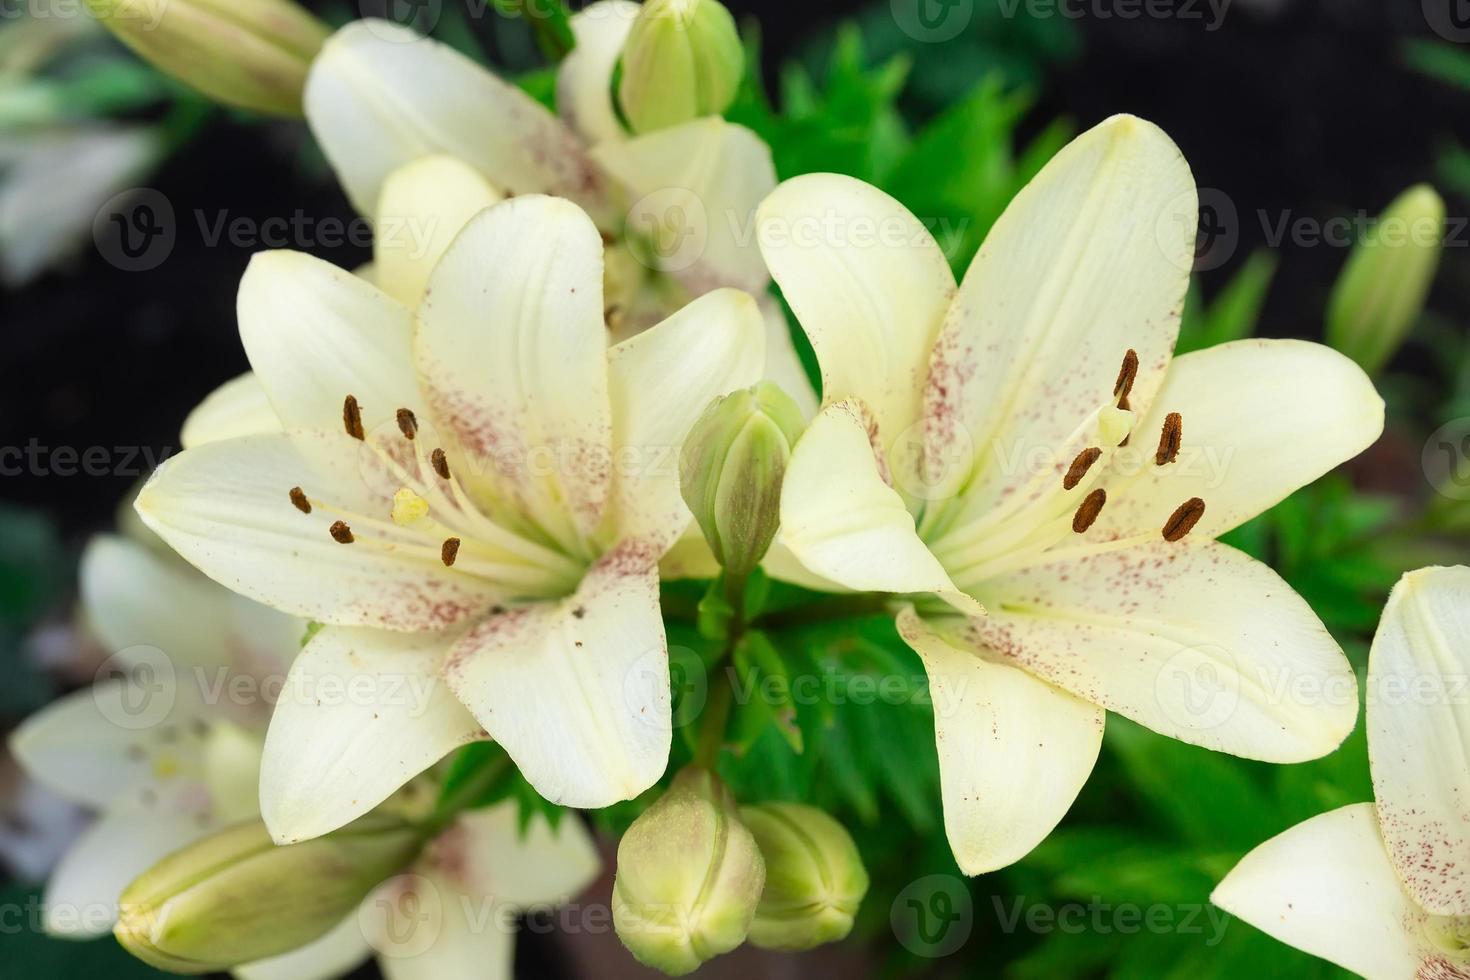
(981, 444)
(475, 493)
(452, 914)
(1383, 889)
(151, 750)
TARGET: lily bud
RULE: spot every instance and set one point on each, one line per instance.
(689, 877)
(682, 60)
(248, 53)
(731, 469)
(815, 879)
(1381, 289)
(235, 896)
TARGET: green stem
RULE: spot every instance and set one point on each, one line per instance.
(716, 718)
(465, 794)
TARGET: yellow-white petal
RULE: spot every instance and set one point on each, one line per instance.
(783, 364)
(424, 928)
(81, 896)
(577, 691)
(660, 382)
(375, 712)
(868, 284)
(315, 334)
(584, 80)
(1013, 750)
(226, 508)
(1195, 641)
(1089, 260)
(1419, 735)
(485, 854)
(378, 96)
(513, 350)
(1260, 418)
(696, 186)
(843, 522)
(1326, 887)
(423, 206)
(231, 762)
(333, 955)
(133, 596)
(239, 407)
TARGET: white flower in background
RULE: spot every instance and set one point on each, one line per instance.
(677, 204)
(981, 443)
(452, 914)
(477, 492)
(168, 751)
(1383, 889)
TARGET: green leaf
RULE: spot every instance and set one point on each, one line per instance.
(1236, 310)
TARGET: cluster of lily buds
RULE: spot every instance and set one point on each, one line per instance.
(698, 876)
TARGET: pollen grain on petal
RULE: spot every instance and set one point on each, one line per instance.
(449, 551)
(1088, 510)
(1184, 518)
(440, 462)
(1169, 439)
(408, 423)
(352, 418)
(1080, 466)
(341, 533)
(1127, 374)
(298, 498)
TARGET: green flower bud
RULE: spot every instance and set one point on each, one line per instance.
(248, 53)
(731, 469)
(682, 60)
(236, 896)
(815, 878)
(689, 877)
(1381, 289)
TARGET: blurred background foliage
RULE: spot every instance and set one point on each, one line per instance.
(1290, 107)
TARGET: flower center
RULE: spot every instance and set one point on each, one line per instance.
(1042, 520)
(431, 518)
(1449, 935)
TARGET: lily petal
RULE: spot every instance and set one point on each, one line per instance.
(82, 893)
(577, 691)
(1260, 419)
(424, 205)
(512, 347)
(424, 928)
(378, 96)
(333, 955)
(1090, 259)
(225, 507)
(660, 382)
(1417, 725)
(485, 854)
(868, 284)
(1195, 641)
(315, 334)
(239, 407)
(1014, 751)
(1325, 886)
(843, 522)
(584, 79)
(375, 712)
(706, 176)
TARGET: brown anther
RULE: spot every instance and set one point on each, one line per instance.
(352, 418)
(1080, 466)
(407, 423)
(1169, 439)
(1126, 375)
(1088, 510)
(298, 497)
(341, 533)
(1184, 518)
(450, 551)
(440, 462)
